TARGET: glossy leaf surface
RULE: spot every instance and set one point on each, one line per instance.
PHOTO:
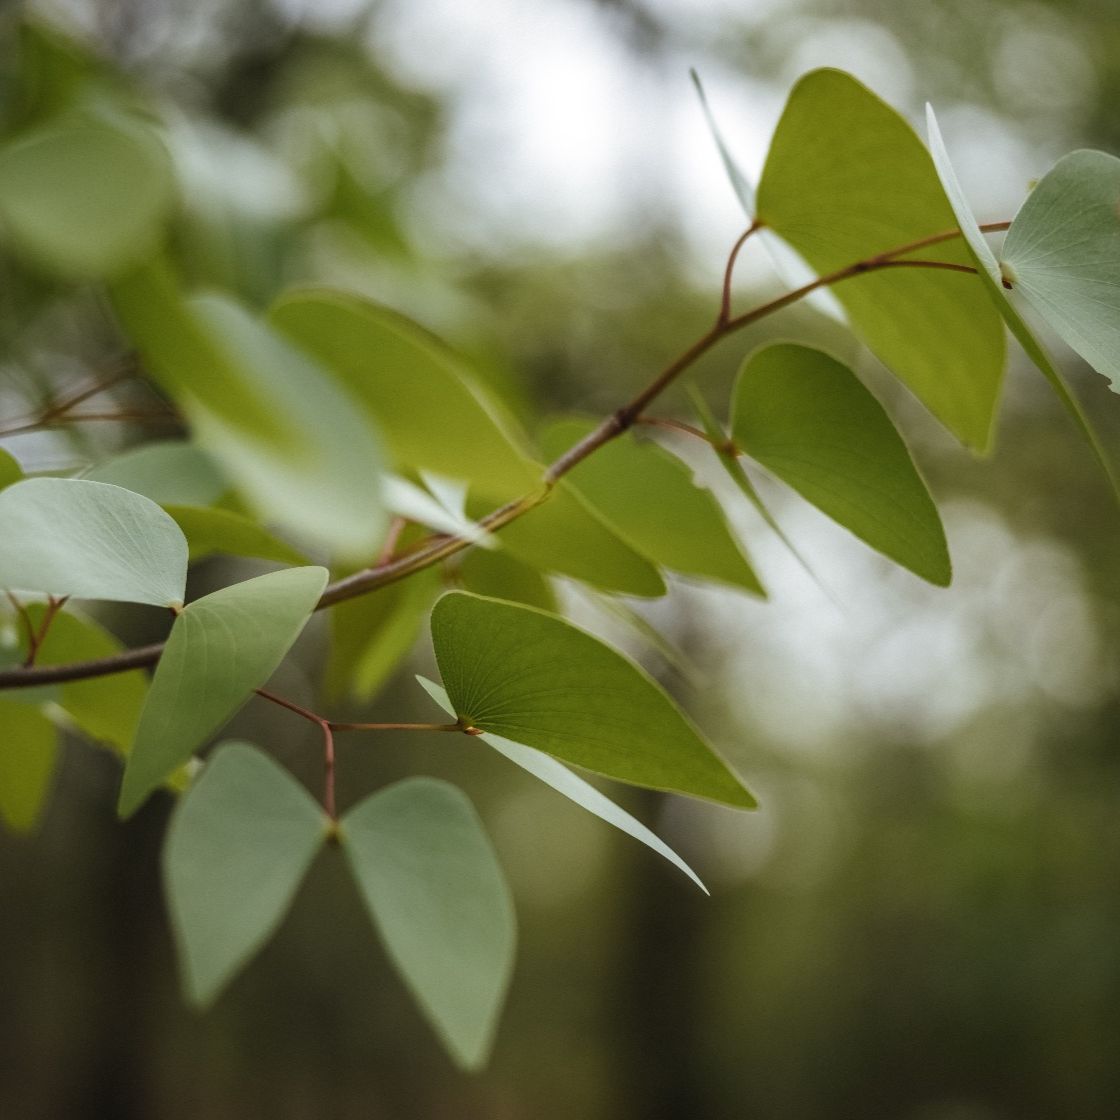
(531, 677)
(846, 179)
(809, 420)
(65, 536)
(433, 887)
(239, 844)
(221, 648)
(546, 769)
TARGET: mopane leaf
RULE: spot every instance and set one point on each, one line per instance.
(9, 470)
(536, 679)
(810, 421)
(84, 199)
(210, 530)
(496, 573)
(295, 445)
(545, 768)
(989, 270)
(239, 844)
(27, 762)
(1063, 253)
(563, 535)
(434, 416)
(650, 499)
(221, 648)
(66, 536)
(847, 179)
(170, 472)
(433, 886)
(740, 184)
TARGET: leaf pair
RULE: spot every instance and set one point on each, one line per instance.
(242, 839)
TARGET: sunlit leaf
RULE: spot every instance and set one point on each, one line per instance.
(650, 499)
(847, 179)
(433, 414)
(1063, 253)
(808, 419)
(239, 844)
(27, 762)
(170, 472)
(210, 530)
(433, 886)
(546, 769)
(84, 199)
(538, 680)
(66, 536)
(221, 648)
(564, 535)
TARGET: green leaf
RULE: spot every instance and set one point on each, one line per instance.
(808, 419)
(563, 535)
(650, 499)
(239, 844)
(847, 179)
(85, 199)
(434, 415)
(1063, 253)
(372, 634)
(546, 769)
(211, 530)
(27, 764)
(221, 648)
(436, 894)
(171, 472)
(296, 446)
(66, 536)
(9, 470)
(496, 573)
(106, 709)
(536, 679)
(990, 272)
(740, 184)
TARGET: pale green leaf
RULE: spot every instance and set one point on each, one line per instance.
(221, 648)
(433, 887)
(534, 678)
(1063, 253)
(239, 844)
(847, 179)
(434, 415)
(65, 536)
(808, 419)
(650, 499)
(27, 763)
(546, 769)
(84, 199)
(170, 472)
(210, 530)
(740, 184)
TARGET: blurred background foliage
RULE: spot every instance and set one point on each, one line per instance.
(922, 922)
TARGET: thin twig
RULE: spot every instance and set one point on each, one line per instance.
(729, 271)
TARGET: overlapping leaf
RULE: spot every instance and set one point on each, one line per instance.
(170, 472)
(27, 762)
(434, 889)
(65, 536)
(221, 648)
(534, 678)
(847, 179)
(239, 844)
(809, 420)
(650, 499)
(210, 530)
(9, 470)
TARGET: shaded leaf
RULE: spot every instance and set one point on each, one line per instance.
(650, 499)
(170, 472)
(239, 844)
(809, 420)
(221, 648)
(846, 179)
(545, 768)
(433, 887)
(66, 536)
(210, 530)
(9, 470)
(434, 415)
(538, 680)
(496, 573)
(27, 764)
